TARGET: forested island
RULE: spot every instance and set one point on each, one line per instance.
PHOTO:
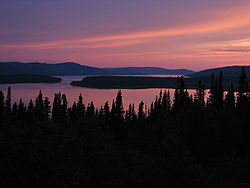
(187, 142)
(230, 76)
(142, 82)
(27, 78)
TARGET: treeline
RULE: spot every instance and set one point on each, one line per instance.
(188, 142)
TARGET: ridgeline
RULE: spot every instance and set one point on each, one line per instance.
(27, 78)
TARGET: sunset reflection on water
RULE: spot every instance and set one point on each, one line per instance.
(98, 96)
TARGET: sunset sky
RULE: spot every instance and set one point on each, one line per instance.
(193, 34)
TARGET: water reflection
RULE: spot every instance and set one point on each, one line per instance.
(99, 96)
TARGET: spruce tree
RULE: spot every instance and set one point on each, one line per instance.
(1, 105)
(101, 114)
(242, 91)
(40, 110)
(8, 102)
(90, 110)
(106, 112)
(199, 96)
(73, 112)
(128, 115)
(30, 111)
(14, 112)
(21, 110)
(133, 114)
(47, 109)
(119, 107)
(141, 113)
(230, 97)
(80, 107)
(210, 100)
(113, 111)
(64, 108)
(57, 108)
(220, 91)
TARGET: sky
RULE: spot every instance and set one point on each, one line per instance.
(192, 34)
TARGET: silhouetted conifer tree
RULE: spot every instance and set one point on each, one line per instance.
(8, 102)
(90, 113)
(220, 92)
(199, 96)
(181, 96)
(39, 106)
(14, 113)
(31, 112)
(210, 100)
(166, 102)
(242, 91)
(112, 112)
(141, 113)
(21, 110)
(73, 112)
(133, 114)
(230, 97)
(64, 108)
(56, 107)
(119, 107)
(47, 108)
(1, 105)
(106, 112)
(101, 115)
(128, 115)
(80, 107)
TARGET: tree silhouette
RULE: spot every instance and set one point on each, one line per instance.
(242, 91)
(8, 102)
(141, 113)
(199, 96)
(230, 97)
(119, 107)
(80, 107)
(106, 113)
(166, 102)
(21, 110)
(1, 105)
(90, 113)
(47, 108)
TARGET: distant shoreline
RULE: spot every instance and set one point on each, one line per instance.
(27, 78)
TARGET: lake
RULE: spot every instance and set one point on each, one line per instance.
(29, 91)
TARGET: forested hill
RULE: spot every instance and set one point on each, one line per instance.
(61, 69)
(230, 71)
(148, 71)
(74, 69)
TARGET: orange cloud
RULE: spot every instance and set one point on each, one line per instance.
(224, 20)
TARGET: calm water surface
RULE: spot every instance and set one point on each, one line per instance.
(99, 96)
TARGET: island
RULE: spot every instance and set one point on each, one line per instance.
(142, 82)
(27, 78)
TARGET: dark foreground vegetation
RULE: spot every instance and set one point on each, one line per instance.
(27, 78)
(184, 143)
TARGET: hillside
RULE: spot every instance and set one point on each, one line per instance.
(61, 69)
(230, 71)
(27, 78)
(74, 69)
(147, 71)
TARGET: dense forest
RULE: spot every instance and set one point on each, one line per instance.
(188, 142)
